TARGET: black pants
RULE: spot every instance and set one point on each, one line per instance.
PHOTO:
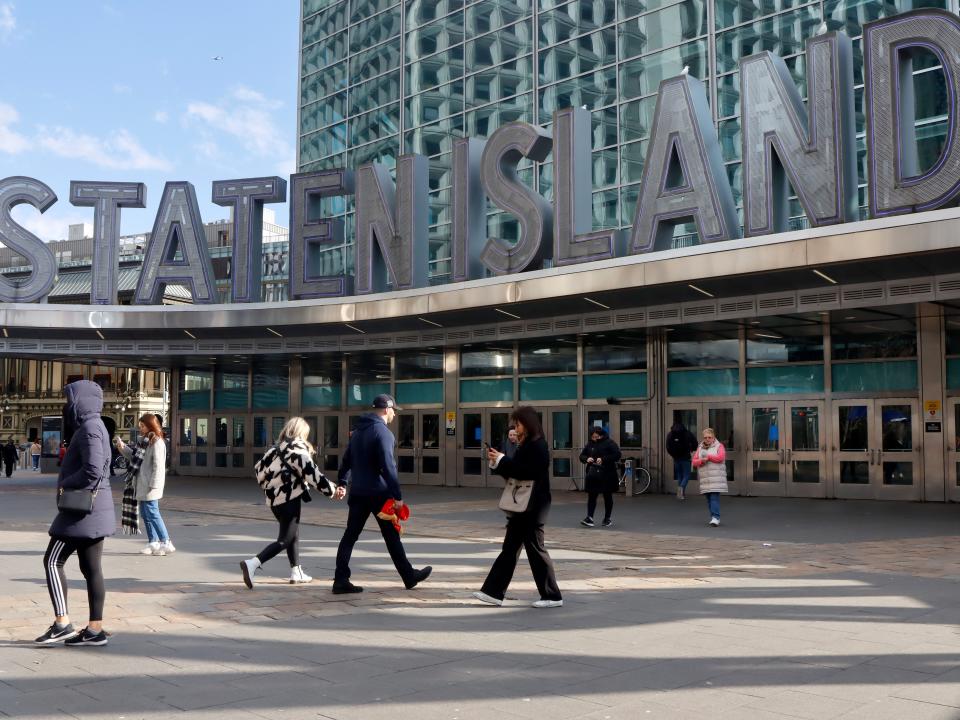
(360, 508)
(288, 515)
(8, 466)
(524, 531)
(607, 504)
(89, 553)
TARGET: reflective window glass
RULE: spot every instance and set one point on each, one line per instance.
(375, 61)
(321, 144)
(419, 364)
(499, 47)
(573, 19)
(548, 355)
(374, 93)
(782, 35)
(375, 30)
(593, 91)
(435, 70)
(687, 349)
(365, 8)
(735, 12)
(324, 112)
(625, 350)
(326, 23)
(585, 53)
(324, 83)
(500, 82)
(423, 40)
(486, 16)
(769, 346)
(382, 122)
(482, 122)
(486, 360)
(642, 76)
(420, 12)
(662, 29)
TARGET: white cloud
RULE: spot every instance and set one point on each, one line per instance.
(8, 21)
(120, 152)
(207, 148)
(11, 141)
(161, 116)
(51, 225)
(246, 115)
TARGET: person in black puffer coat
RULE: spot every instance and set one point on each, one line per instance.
(600, 455)
(85, 466)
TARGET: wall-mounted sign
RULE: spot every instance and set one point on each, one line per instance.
(684, 179)
(451, 423)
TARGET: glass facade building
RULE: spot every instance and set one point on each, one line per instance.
(380, 78)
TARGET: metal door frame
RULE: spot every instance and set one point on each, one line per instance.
(417, 451)
(486, 478)
(737, 481)
(811, 490)
(766, 489)
(952, 448)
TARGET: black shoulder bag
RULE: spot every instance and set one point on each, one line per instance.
(81, 501)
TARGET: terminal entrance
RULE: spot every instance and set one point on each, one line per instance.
(419, 453)
(721, 416)
(877, 449)
(476, 426)
(787, 454)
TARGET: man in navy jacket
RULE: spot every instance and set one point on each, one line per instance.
(373, 480)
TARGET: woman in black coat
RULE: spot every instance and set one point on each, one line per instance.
(531, 461)
(600, 455)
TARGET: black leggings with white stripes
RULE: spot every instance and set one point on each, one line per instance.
(89, 553)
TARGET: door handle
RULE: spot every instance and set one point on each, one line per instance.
(788, 456)
(781, 456)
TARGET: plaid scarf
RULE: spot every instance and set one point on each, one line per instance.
(130, 509)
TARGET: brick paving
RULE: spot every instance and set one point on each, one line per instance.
(792, 609)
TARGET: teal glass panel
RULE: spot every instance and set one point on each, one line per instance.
(875, 376)
(953, 377)
(621, 385)
(562, 387)
(703, 383)
(320, 396)
(195, 400)
(270, 397)
(230, 399)
(784, 379)
(419, 393)
(486, 390)
(362, 394)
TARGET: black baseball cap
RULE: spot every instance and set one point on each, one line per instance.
(385, 401)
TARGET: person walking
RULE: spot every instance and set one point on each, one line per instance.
(710, 460)
(85, 468)
(61, 452)
(35, 451)
(524, 530)
(10, 456)
(148, 473)
(600, 455)
(680, 445)
(373, 480)
(286, 473)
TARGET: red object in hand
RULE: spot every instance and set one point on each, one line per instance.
(390, 512)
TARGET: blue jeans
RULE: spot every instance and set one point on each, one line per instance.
(681, 472)
(156, 530)
(36, 462)
(713, 502)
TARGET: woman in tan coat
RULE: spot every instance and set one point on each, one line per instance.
(710, 460)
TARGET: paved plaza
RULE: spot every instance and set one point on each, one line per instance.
(791, 609)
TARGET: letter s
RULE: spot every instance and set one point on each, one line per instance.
(15, 191)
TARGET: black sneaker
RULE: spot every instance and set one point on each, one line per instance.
(87, 638)
(346, 588)
(607, 522)
(588, 522)
(56, 633)
(418, 577)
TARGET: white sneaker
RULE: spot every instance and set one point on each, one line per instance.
(547, 603)
(489, 599)
(297, 575)
(160, 549)
(150, 549)
(714, 522)
(168, 547)
(249, 569)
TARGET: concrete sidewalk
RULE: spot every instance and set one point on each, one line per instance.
(792, 609)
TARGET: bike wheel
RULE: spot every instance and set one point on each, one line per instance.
(641, 480)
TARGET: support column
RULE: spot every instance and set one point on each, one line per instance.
(932, 389)
(451, 396)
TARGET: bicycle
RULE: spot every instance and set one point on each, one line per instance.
(642, 480)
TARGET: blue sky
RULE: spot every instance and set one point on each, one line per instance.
(130, 91)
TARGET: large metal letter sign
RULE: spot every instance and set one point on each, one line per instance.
(815, 152)
(682, 125)
(178, 226)
(247, 197)
(895, 181)
(15, 191)
(573, 241)
(392, 226)
(107, 198)
(498, 172)
(310, 233)
(469, 210)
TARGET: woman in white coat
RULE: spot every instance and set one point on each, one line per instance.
(710, 460)
(149, 484)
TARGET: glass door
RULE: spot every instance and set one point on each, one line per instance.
(766, 452)
(479, 425)
(806, 450)
(564, 454)
(952, 441)
(330, 443)
(418, 447)
(876, 449)
(222, 449)
(722, 417)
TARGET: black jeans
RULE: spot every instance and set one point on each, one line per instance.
(360, 508)
(607, 504)
(288, 515)
(524, 531)
(8, 466)
(90, 554)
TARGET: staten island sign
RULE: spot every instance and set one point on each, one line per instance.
(811, 150)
